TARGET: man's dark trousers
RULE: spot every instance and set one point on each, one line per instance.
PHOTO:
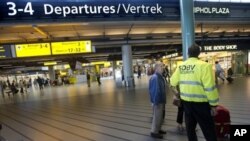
(199, 113)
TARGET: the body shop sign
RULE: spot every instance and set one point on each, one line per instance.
(220, 47)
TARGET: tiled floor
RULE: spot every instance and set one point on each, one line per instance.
(105, 113)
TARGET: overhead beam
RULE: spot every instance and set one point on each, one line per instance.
(39, 30)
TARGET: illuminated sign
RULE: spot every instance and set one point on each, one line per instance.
(220, 47)
(5, 51)
(71, 47)
(49, 63)
(171, 55)
(211, 10)
(31, 50)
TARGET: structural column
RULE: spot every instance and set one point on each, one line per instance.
(127, 65)
(187, 25)
(52, 74)
(113, 68)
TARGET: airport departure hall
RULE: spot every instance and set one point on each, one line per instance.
(79, 70)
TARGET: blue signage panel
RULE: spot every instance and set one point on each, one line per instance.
(114, 10)
(88, 9)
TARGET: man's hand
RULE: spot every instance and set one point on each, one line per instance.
(174, 90)
(213, 111)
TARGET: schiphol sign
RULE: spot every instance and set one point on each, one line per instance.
(212, 10)
(94, 9)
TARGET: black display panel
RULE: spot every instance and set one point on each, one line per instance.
(5, 51)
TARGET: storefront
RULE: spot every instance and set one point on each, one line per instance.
(233, 56)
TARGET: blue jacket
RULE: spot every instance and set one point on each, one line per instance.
(157, 89)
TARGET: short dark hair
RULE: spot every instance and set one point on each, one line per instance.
(194, 51)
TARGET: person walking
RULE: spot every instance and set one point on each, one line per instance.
(40, 82)
(157, 91)
(139, 72)
(21, 85)
(88, 78)
(198, 93)
(219, 72)
(166, 73)
(1, 87)
(98, 78)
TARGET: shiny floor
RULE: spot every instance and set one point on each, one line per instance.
(102, 113)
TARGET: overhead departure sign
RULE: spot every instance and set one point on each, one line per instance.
(73, 47)
(93, 9)
(96, 10)
(31, 50)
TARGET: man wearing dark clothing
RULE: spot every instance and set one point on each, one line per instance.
(88, 79)
(139, 72)
(40, 82)
(98, 78)
(230, 72)
(157, 90)
(166, 74)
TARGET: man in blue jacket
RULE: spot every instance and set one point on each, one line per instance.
(157, 90)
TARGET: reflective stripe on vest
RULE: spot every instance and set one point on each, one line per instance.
(194, 95)
(214, 101)
(210, 89)
(197, 83)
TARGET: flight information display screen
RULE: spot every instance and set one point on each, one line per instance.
(73, 47)
(32, 50)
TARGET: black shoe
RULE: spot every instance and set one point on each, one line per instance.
(162, 132)
(158, 136)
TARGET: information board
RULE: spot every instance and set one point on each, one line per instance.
(73, 47)
(31, 50)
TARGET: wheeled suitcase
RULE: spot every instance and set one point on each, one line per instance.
(230, 79)
(1, 138)
(222, 122)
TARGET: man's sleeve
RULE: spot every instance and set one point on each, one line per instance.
(153, 89)
(210, 88)
(175, 78)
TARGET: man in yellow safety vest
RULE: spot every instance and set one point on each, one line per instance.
(198, 93)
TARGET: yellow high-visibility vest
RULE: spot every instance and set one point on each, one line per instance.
(196, 80)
